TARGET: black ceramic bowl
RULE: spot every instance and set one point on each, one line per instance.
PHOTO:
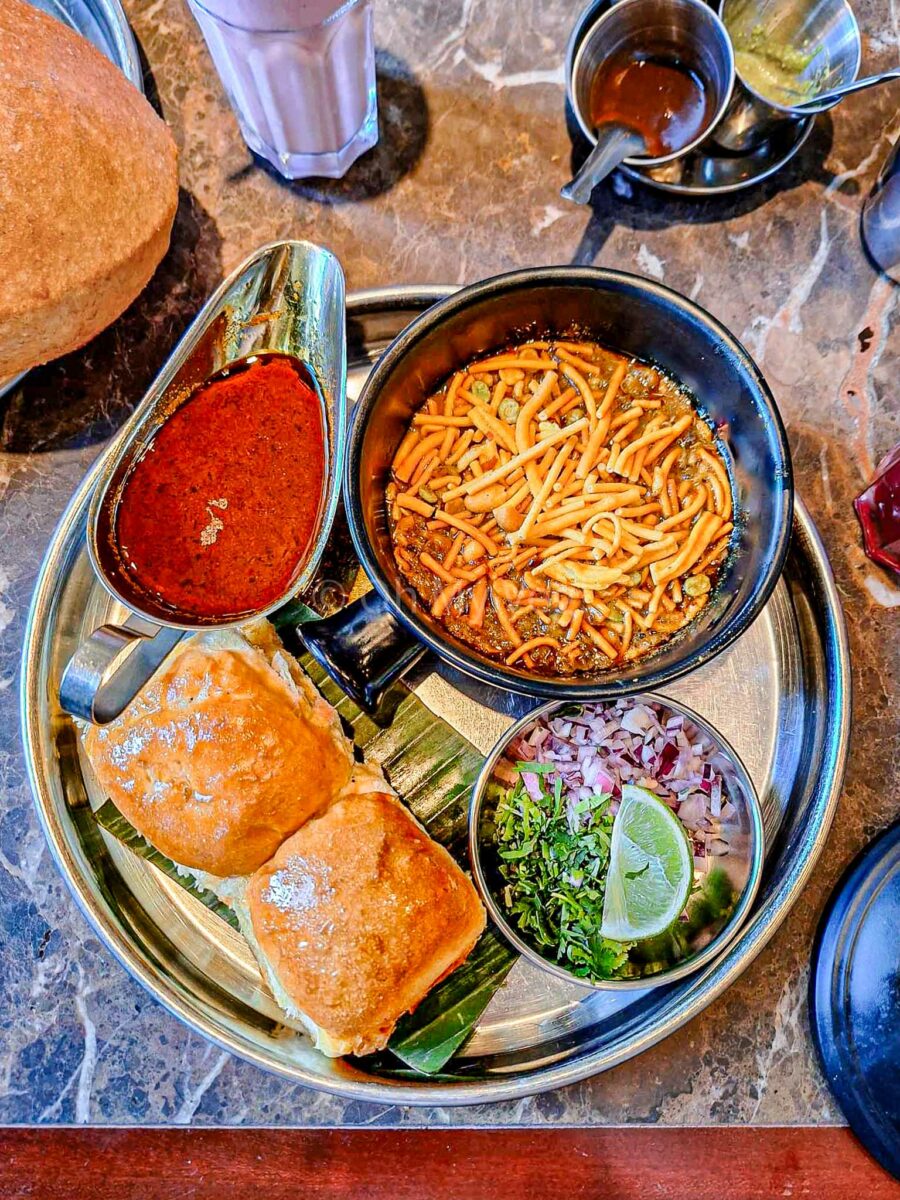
(626, 313)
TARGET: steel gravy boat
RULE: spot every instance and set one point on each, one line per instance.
(287, 297)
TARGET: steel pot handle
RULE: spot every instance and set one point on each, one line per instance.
(363, 647)
(110, 667)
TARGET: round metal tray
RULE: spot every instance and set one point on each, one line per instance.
(104, 23)
(780, 695)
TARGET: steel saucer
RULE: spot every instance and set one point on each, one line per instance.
(711, 171)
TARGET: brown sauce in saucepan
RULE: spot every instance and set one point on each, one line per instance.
(658, 96)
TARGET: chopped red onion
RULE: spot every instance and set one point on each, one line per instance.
(604, 746)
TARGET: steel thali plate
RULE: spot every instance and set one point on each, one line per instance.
(780, 695)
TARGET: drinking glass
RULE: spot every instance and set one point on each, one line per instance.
(300, 75)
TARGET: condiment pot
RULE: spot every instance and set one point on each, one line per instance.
(287, 297)
(688, 31)
(702, 940)
(826, 26)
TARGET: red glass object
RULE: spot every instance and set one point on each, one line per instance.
(878, 509)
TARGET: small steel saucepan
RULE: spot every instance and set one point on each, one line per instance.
(365, 646)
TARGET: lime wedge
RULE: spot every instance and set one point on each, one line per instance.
(651, 869)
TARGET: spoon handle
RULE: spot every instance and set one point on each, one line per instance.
(614, 144)
(827, 99)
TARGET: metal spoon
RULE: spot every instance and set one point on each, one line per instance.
(827, 99)
(615, 143)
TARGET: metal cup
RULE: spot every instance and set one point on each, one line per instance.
(686, 30)
(826, 25)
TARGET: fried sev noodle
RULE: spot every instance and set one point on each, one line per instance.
(568, 488)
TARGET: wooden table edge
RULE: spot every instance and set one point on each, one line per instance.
(728, 1162)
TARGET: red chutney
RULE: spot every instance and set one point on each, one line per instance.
(221, 509)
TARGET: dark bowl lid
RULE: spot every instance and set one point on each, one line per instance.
(854, 997)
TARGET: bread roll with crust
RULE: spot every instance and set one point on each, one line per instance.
(224, 754)
(88, 189)
(356, 917)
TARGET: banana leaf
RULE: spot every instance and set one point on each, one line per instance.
(433, 768)
(123, 831)
(429, 1037)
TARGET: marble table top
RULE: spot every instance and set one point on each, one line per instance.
(465, 183)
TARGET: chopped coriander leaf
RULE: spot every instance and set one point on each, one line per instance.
(553, 858)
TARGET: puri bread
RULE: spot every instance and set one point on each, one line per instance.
(357, 916)
(224, 754)
(88, 189)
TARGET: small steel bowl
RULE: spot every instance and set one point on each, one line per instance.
(831, 25)
(744, 862)
(689, 30)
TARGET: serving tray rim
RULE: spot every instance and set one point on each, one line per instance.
(352, 1083)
